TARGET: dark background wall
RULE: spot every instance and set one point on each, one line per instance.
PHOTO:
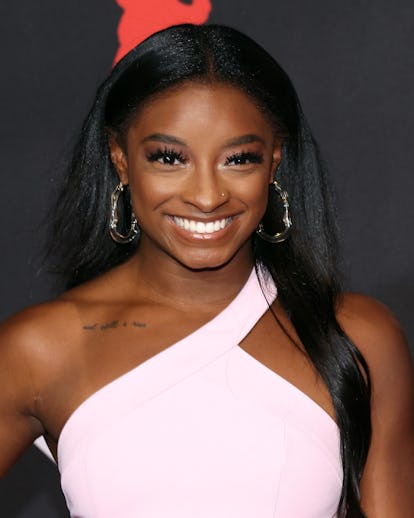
(352, 63)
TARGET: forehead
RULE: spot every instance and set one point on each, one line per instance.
(193, 107)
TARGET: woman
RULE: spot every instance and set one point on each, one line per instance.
(169, 380)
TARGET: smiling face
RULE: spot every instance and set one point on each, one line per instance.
(198, 161)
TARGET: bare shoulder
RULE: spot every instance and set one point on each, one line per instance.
(374, 329)
(47, 335)
(34, 336)
(43, 325)
(378, 335)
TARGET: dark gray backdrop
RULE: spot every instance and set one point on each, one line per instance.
(352, 63)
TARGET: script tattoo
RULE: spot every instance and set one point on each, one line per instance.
(114, 324)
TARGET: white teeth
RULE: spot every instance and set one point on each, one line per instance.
(200, 227)
(210, 227)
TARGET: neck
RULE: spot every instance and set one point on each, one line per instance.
(165, 279)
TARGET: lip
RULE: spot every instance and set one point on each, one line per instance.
(201, 229)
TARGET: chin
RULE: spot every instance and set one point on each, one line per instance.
(205, 264)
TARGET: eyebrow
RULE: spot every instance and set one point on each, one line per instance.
(244, 139)
(166, 139)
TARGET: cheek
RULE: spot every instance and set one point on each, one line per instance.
(255, 194)
(148, 190)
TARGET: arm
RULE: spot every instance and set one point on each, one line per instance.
(387, 485)
(18, 424)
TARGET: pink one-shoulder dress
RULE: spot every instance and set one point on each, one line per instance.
(202, 430)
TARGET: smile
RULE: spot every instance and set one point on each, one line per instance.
(200, 227)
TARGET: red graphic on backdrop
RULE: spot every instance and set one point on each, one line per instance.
(141, 18)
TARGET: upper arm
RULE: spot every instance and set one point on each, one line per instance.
(387, 485)
(19, 425)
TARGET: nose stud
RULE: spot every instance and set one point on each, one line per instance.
(222, 194)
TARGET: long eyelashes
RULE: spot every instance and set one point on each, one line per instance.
(166, 156)
(171, 157)
(244, 158)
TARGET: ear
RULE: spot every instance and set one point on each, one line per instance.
(118, 156)
(276, 158)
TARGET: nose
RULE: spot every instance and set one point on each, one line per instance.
(205, 190)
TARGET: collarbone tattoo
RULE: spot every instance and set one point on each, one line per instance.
(114, 324)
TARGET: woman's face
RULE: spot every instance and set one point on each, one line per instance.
(198, 161)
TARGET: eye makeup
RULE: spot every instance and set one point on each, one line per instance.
(166, 156)
(244, 158)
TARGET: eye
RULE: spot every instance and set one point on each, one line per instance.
(167, 157)
(244, 158)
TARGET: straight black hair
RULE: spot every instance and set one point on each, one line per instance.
(304, 267)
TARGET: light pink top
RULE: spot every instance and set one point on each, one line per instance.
(202, 430)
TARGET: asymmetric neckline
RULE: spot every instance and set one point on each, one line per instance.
(242, 301)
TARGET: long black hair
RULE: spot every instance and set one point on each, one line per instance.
(303, 267)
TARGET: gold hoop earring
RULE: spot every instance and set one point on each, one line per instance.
(113, 231)
(286, 218)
